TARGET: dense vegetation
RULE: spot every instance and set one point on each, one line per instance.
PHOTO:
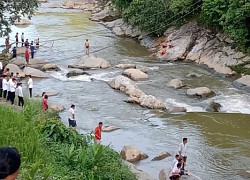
(50, 150)
(155, 16)
(13, 10)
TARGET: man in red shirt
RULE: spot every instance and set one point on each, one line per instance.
(98, 131)
(27, 55)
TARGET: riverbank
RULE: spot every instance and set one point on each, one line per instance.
(51, 150)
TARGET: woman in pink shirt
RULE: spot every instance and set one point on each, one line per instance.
(45, 103)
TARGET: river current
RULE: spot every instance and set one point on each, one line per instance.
(218, 143)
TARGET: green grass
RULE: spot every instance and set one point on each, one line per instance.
(50, 150)
(241, 69)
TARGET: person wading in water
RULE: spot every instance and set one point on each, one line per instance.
(87, 47)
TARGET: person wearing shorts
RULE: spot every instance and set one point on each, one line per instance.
(72, 121)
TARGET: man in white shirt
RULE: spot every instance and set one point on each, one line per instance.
(175, 161)
(5, 86)
(12, 84)
(183, 149)
(30, 85)
(72, 120)
(8, 89)
(175, 172)
(20, 94)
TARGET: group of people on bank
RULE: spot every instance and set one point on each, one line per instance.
(30, 46)
(10, 86)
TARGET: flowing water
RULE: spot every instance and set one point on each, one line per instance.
(218, 143)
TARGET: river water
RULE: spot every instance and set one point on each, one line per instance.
(218, 143)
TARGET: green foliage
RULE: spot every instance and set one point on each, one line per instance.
(230, 15)
(240, 68)
(121, 4)
(13, 10)
(50, 150)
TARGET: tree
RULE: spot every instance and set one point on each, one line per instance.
(11, 10)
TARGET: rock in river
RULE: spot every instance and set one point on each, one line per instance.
(50, 67)
(90, 62)
(14, 68)
(243, 82)
(76, 72)
(34, 72)
(175, 83)
(126, 66)
(57, 107)
(161, 156)
(135, 74)
(200, 91)
(22, 22)
(131, 154)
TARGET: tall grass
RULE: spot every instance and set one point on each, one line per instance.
(50, 150)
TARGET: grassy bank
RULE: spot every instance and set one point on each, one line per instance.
(50, 150)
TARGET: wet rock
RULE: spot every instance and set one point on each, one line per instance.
(139, 173)
(56, 107)
(193, 75)
(90, 62)
(164, 174)
(22, 22)
(200, 91)
(32, 62)
(244, 173)
(136, 95)
(243, 83)
(107, 14)
(110, 128)
(175, 83)
(213, 107)
(34, 72)
(135, 74)
(131, 154)
(161, 156)
(14, 68)
(126, 66)
(76, 72)
(177, 110)
(50, 67)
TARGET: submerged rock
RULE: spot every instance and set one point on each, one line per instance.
(200, 91)
(56, 107)
(243, 83)
(14, 68)
(161, 156)
(131, 154)
(175, 83)
(135, 74)
(76, 72)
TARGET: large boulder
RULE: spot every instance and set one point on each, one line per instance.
(22, 22)
(76, 72)
(34, 72)
(14, 68)
(126, 66)
(56, 107)
(20, 50)
(50, 67)
(200, 91)
(107, 14)
(243, 82)
(90, 62)
(135, 74)
(32, 62)
(175, 83)
(164, 174)
(131, 154)
(136, 95)
(161, 156)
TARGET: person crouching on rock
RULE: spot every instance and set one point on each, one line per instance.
(72, 120)
(27, 55)
(176, 172)
(98, 132)
(10, 162)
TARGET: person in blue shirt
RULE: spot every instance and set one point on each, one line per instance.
(32, 49)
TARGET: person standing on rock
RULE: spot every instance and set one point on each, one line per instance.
(32, 49)
(87, 47)
(14, 53)
(22, 39)
(98, 132)
(27, 55)
(16, 37)
(45, 103)
(20, 94)
(72, 120)
(30, 85)
(182, 150)
(26, 43)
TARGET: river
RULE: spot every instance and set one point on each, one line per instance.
(218, 143)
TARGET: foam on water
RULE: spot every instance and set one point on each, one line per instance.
(175, 103)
